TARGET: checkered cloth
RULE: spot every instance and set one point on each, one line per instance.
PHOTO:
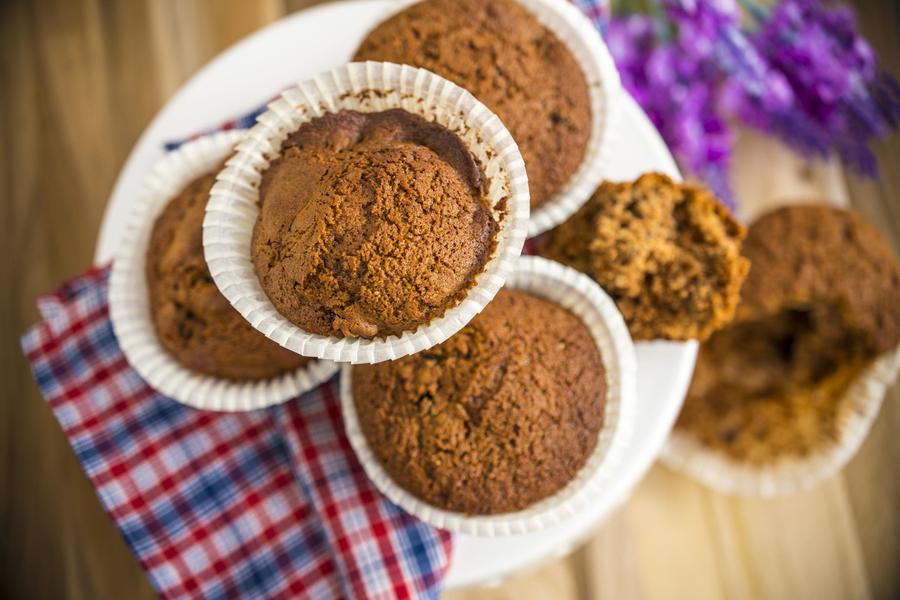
(265, 504)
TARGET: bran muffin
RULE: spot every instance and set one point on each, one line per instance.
(667, 253)
(194, 322)
(805, 253)
(822, 301)
(496, 418)
(502, 54)
(371, 224)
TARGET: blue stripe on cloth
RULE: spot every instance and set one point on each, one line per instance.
(597, 11)
(245, 121)
(411, 539)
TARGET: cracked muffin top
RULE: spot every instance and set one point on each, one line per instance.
(194, 322)
(501, 53)
(496, 418)
(371, 224)
(821, 302)
(669, 254)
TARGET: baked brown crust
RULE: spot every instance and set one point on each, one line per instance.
(499, 416)
(371, 224)
(804, 253)
(669, 254)
(502, 54)
(194, 322)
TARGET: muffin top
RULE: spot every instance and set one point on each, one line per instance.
(822, 300)
(499, 416)
(669, 254)
(502, 54)
(371, 224)
(194, 322)
(805, 253)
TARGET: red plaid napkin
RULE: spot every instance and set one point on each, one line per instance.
(265, 504)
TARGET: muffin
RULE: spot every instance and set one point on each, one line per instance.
(815, 253)
(501, 53)
(669, 254)
(194, 322)
(371, 224)
(496, 418)
(821, 302)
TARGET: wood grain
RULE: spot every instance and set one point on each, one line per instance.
(80, 80)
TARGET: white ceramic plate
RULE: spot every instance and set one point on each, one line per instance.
(326, 36)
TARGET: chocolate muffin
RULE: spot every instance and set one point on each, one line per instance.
(501, 53)
(371, 224)
(822, 300)
(669, 254)
(194, 322)
(496, 418)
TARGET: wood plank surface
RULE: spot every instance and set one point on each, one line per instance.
(79, 81)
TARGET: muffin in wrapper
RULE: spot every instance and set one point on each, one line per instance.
(364, 87)
(582, 297)
(129, 300)
(784, 397)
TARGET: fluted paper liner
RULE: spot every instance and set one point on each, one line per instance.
(366, 87)
(718, 471)
(584, 298)
(129, 302)
(583, 41)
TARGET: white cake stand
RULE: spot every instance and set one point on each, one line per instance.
(318, 39)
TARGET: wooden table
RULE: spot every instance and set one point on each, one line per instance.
(80, 80)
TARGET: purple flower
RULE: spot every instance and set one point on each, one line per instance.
(839, 101)
(673, 78)
(803, 73)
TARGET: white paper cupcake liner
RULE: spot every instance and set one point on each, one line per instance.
(366, 87)
(716, 470)
(584, 298)
(129, 302)
(583, 40)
